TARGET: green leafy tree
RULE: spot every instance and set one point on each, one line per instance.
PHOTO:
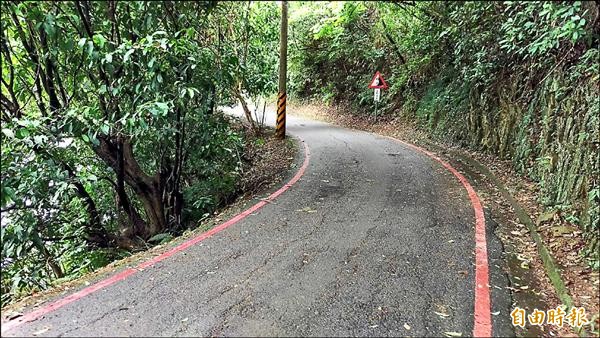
(251, 30)
(109, 125)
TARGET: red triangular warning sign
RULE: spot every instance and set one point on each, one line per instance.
(378, 82)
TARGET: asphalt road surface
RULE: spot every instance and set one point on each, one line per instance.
(375, 239)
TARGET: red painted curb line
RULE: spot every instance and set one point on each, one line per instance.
(31, 316)
(482, 326)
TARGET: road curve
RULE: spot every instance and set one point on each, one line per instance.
(375, 239)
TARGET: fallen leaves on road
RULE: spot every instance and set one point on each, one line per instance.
(441, 314)
(307, 209)
(453, 334)
(38, 332)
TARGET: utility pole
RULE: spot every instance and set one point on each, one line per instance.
(282, 96)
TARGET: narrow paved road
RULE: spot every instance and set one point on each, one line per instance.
(372, 241)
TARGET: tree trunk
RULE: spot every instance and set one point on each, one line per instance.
(148, 189)
(247, 111)
(392, 42)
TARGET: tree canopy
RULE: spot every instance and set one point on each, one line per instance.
(110, 136)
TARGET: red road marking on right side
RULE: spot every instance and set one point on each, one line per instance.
(482, 326)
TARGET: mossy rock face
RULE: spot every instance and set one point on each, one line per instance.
(550, 132)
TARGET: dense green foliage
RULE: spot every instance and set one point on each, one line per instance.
(110, 136)
(516, 79)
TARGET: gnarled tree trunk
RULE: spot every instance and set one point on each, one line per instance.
(118, 154)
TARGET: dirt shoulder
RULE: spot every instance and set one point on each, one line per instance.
(266, 163)
(530, 285)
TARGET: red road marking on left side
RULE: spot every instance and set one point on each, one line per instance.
(482, 326)
(130, 271)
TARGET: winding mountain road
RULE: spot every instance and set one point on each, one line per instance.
(374, 239)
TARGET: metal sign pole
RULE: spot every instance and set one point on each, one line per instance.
(376, 97)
